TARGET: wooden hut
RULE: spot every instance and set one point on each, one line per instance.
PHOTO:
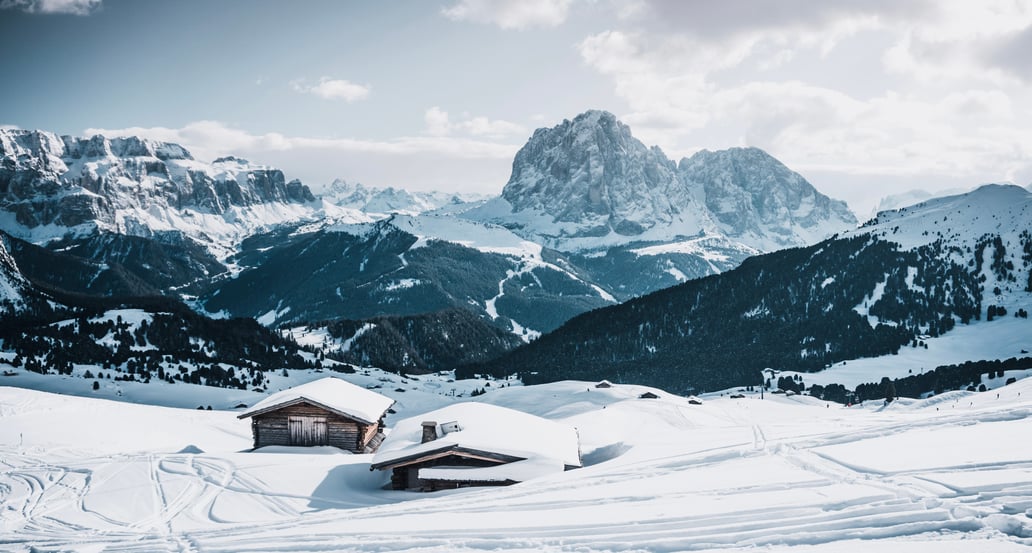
(648, 395)
(328, 411)
(475, 444)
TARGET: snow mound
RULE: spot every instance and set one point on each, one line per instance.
(482, 427)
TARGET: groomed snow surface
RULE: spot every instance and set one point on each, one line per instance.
(952, 473)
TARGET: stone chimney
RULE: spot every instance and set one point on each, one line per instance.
(429, 431)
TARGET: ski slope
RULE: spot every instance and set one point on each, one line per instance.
(951, 473)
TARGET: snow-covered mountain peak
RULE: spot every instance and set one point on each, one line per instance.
(911, 197)
(385, 201)
(590, 178)
(53, 186)
(959, 220)
(760, 201)
(587, 184)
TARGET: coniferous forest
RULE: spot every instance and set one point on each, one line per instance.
(797, 309)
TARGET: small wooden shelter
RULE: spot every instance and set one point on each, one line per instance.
(328, 411)
(475, 444)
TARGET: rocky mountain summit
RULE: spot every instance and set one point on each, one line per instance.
(127, 185)
(756, 199)
(588, 184)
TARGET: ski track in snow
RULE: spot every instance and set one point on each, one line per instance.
(730, 474)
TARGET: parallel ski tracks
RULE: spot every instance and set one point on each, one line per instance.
(186, 488)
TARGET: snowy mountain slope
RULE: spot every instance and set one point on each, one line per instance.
(144, 340)
(403, 266)
(411, 344)
(381, 202)
(106, 264)
(53, 186)
(759, 202)
(989, 228)
(588, 184)
(917, 273)
(911, 197)
(782, 474)
(13, 285)
(989, 209)
(1004, 338)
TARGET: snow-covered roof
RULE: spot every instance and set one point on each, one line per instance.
(333, 394)
(481, 428)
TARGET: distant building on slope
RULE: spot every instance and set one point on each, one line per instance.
(475, 444)
(328, 411)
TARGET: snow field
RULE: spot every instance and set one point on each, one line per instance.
(783, 474)
(1002, 338)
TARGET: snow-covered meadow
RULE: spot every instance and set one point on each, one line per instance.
(951, 473)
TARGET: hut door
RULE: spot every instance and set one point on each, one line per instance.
(307, 431)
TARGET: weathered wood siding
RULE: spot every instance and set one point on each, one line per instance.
(274, 428)
(434, 485)
(406, 477)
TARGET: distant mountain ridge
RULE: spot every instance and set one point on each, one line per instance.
(910, 274)
(590, 217)
(51, 186)
(588, 184)
(387, 201)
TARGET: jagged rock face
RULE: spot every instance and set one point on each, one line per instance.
(73, 181)
(13, 285)
(590, 177)
(592, 170)
(750, 192)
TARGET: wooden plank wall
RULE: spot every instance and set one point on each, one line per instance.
(273, 428)
(404, 477)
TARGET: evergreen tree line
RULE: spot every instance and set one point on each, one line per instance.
(422, 343)
(172, 346)
(944, 378)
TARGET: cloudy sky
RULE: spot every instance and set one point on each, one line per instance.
(865, 98)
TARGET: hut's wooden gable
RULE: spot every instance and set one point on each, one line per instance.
(305, 424)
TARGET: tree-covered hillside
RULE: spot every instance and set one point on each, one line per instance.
(798, 309)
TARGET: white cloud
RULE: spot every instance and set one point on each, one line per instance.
(418, 163)
(333, 89)
(439, 123)
(511, 14)
(728, 18)
(71, 7)
(482, 126)
(210, 139)
(940, 91)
